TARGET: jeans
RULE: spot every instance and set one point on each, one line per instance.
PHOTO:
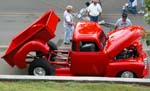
(94, 18)
(68, 33)
(132, 10)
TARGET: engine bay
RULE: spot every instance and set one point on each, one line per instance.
(129, 52)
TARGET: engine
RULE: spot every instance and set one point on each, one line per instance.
(129, 52)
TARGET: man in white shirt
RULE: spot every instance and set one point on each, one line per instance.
(68, 24)
(123, 22)
(94, 11)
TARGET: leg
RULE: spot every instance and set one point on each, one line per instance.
(132, 10)
(67, 35)
(142, 3)
(91, 18)
(94, 18)
(71, 32)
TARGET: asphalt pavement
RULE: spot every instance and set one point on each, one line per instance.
(16, 15)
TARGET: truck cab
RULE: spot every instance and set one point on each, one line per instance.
(116, 54)
(87, 56)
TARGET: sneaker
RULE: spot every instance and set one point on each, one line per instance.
(66, 43)
(101, 22)
(141, 12)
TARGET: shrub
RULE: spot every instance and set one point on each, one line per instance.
(147, 15)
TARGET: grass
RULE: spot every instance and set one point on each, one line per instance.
(68, 86)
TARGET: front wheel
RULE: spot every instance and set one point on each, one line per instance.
(127, 74)
(41, 67)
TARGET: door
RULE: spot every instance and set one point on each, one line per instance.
(89, 60)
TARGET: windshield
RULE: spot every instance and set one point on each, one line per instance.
(103, 39)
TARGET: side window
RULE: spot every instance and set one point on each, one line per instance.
(88, 46)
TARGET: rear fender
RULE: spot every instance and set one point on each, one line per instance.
(20, 56)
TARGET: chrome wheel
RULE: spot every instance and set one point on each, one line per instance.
(41, 67)
(127, 74)
(39, 71)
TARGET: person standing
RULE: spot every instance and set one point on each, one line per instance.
(132, 6)
(68, 24)
(123, 22)
(95, 11)
(83, 12)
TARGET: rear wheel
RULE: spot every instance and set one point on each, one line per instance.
(127, 74)
(41, 67)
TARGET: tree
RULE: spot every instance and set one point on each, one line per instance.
(147, 15)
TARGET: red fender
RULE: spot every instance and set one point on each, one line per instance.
(20, 56)
(116, 67)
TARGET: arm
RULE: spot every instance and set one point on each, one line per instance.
(100, 10)
(115, 28)
(88, 10)
(100, 15)
(130, 23)
(116, 24)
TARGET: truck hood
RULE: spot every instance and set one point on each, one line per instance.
(122, 38)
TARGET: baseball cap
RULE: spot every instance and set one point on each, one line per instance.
(124, 15)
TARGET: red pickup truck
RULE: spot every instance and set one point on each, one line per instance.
(92, 53)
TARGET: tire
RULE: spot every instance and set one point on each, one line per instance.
(41, 67)
(126, 74)
(39, 54)
(52, 45)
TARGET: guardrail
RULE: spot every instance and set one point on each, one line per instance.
(3, 46)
